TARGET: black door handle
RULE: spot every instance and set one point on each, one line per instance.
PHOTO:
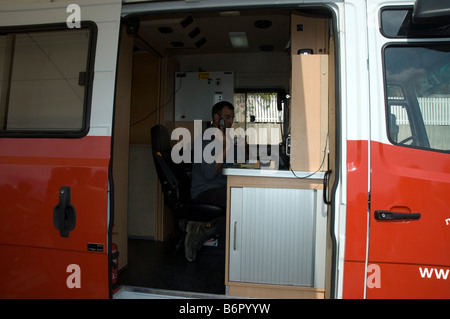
(64, 214)
(326, 178)
(387, 215)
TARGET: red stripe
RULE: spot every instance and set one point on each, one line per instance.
(356, 221)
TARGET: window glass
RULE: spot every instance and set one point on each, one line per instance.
(257, 108)
(258, 111)
(44, 81)
(397, 23)
(392, 21)
(418, 95)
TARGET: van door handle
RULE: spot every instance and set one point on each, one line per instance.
(387, 215)
(326, 179)
(64, 214)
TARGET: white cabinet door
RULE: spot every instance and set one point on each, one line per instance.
(273, 235)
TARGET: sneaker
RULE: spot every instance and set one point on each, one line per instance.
(196, 234)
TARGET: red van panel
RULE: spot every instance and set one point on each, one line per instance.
(32, 172)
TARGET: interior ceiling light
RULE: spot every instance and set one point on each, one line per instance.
(200, 42)
(194, 32)
(238, 40)
(187, 21)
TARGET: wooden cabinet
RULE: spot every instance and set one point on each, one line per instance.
(276, 238)
(309, 33)
(272, 236)
(309, 112)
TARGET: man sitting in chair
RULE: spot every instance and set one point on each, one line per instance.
(209, 185)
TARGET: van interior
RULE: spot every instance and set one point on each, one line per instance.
(258, 49)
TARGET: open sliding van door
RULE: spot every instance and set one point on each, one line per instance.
(410, 161)
(57, 77)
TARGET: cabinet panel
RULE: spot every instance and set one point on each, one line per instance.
(309, 33)
(309, 112)
(272, 236)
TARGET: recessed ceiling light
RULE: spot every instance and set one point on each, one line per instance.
(194, 32)
(200, 42)
(238, 40)
(187, 21)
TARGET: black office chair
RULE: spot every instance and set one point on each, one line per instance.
(175, 184)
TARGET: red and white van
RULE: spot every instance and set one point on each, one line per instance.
(67, 128)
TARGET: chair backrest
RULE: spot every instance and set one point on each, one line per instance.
(161, 158)
(160, 140)
(175, 183)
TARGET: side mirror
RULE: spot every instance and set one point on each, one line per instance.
(431, 12)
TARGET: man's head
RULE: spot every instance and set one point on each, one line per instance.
(223, 110)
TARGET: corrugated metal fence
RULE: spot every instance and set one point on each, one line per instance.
(262, 106)
(435, 111)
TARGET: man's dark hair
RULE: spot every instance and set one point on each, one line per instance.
(217, 108)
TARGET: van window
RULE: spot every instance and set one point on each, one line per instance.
(417, 81)
(397, 23)
(44, 81)
(259, 109)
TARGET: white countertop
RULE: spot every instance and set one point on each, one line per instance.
(265, 172)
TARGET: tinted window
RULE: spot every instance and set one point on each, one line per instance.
(418, 95)
(397, 23)
(45, 81)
